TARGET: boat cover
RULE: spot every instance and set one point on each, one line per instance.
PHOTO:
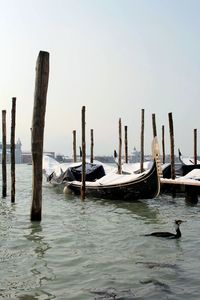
(113, 179)
(93, 172)
(180, 170)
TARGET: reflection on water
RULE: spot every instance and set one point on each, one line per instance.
(139, 208)
(96, 249)
(113, 293)
(37, 237)
(23, 264)
(40, 269)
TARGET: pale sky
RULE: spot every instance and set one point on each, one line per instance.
(113, 56)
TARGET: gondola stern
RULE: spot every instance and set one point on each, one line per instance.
(156, 157)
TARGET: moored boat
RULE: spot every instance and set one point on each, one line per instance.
(186, 160)
(187, 185)
(145, 185)
(182, 168)
(59, 173)
(186, 182)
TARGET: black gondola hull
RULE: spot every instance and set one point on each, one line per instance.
(146, 186)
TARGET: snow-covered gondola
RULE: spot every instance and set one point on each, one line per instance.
(145, 185)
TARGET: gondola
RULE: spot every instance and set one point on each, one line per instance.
(186, 182)
(182, 168)
(57, 174)
(186, 160)
(145, 185)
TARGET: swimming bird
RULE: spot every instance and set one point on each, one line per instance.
(169, 235)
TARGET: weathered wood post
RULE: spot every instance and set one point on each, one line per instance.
(154, 125)
(120, 148)
(37, 132)
(80, 152)
(126, 143)
(12, 149)
(74, 145)
(171, 131)
(163, 143)
(83, 155)
(142, 142)
(4, 156)
(195, 146)
(92, 146)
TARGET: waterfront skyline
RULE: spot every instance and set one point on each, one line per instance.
(114, 57)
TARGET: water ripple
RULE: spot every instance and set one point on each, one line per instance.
(96, 249)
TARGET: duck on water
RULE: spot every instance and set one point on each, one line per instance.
(169, 235)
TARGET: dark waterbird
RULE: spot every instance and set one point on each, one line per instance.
(169, 235)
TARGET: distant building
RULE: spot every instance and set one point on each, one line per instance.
(26, 157)
(18, 152)
(135, 156)
(20, 157)
(105, 159)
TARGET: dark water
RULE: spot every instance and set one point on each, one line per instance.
(96, 249)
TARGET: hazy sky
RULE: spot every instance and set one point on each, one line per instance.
(113, 56)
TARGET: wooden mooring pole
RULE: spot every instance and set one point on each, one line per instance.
(120, 148)
(163, 144)
(195, 146)
(4, 156)
(74, 145)
(126, 143)
(154, 125)
(142, 142)
(83, 155)
(80, 152)
(171, 131)
(12, 149)
(92, 146)
(37, 132)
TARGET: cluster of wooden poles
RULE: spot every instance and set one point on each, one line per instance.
(12, 152)
(37, 136)
(171, 134)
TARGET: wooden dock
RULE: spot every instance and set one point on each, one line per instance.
(190, 188)
(184, 182)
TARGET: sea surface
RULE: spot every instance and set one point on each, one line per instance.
(96, 249)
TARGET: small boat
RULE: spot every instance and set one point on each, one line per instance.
(182, 168)
(53, 170)
(187, 179)
(57, 173)
(186, 160)
(145, 185)
(188, 186)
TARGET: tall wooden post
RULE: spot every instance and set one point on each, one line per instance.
(120, 148)
(74, 145)
(126, 143)
(4, 156)
(92, 146)
(83, 155)
(195, 146)
(163, 143)
(37, 132)
(154, 125)
(171, 130)
(12, 149)
(142, 142)
(80, 152)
